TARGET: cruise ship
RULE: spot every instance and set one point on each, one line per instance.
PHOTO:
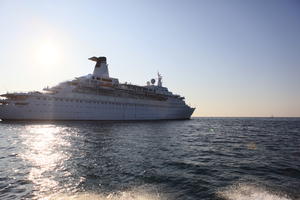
(96, 96)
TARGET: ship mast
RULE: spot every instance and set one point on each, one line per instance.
(159, 83)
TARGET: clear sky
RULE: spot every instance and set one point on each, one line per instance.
(227, 57)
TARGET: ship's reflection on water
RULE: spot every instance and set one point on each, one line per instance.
(44, 153)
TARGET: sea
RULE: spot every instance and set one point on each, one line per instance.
(197, 159)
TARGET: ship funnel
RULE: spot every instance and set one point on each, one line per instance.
(101, 69)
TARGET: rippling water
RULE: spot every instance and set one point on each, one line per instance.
(202, 158)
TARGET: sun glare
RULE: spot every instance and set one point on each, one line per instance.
(48, 53)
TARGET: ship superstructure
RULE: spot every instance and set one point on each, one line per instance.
(96, 96)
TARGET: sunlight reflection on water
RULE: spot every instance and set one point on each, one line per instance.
(43, 151)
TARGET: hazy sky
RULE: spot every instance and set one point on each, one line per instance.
(227, 57)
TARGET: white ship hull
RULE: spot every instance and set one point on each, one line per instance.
(92, 110)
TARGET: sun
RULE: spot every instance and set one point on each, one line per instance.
(48, 52)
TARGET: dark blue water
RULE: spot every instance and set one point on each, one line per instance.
(202, 158)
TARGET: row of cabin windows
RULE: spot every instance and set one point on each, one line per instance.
(96, 102)
(103, 79)
(86, 101)
(92, 107)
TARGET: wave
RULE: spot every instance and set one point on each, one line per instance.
(246, 191)
(133, 194)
